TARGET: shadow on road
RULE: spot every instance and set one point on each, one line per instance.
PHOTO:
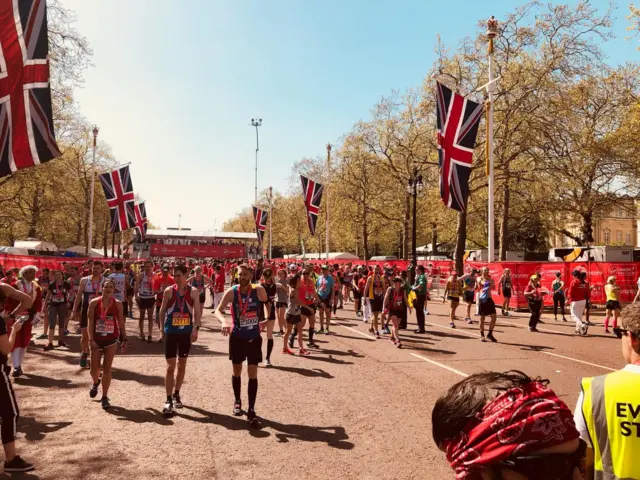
(19, 476)
(31, 380)
(35, 430)
(148, 415)
(128, 375)
(305, 372)
(327, 359)
(340, 353)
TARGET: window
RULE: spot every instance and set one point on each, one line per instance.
(627, 239)
(618, 236)
(607, 237)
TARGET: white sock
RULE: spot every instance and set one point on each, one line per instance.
(15, 358)
(23, 351)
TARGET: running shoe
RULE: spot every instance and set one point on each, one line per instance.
(399, 345)
(584, 329)
(371, 330)
(589, 323)
(167, 411)
(149, 339)
(252, 418)
(66, 332)
(419, 331)
(392, 340)
(278, 334)
(606, 330)
(327, 332)
(94, 390)
(105, 403)
(540, 321)
(533, 329)
(18, 465)
(17, 372)
(286, 351)
(267, 362)
(491, 337)
(502, 312)
(564, 319)
(378, 335)
(468, 320)
(365, 320)
(386, 330)
(62, 344)
(482, 339)
(312, 345)
(452, 325)
(176, 400)
(83, 360)
(48, 346)
(142, 337)
(291, 341)
(42, 336)
(322, 330)
(304, 352)
(237, 408)
(426, 312)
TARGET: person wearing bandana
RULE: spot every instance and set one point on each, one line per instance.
(245, 341)
(507, 426)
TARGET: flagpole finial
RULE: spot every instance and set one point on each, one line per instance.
(492, 28)
(328, 147)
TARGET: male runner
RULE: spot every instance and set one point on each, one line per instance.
(130, 285)
(218, 285)
(120, 280)
(160, 283)
(245, 342)
(325, 287)
(181, 314)
(143, 291)
(90, 288)
(469, 284)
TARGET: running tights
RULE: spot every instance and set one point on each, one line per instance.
(8, 408)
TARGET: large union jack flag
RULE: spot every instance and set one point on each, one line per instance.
(260, 216)
(312, 192)
(26, 124)
(458, 119)
(140, 211)
(118, 189)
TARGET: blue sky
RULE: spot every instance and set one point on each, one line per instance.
(175, 84)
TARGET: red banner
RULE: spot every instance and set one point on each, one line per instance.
(19, 261)
(198, 251)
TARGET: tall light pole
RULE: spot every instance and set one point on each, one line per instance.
(326, 189)
(270, 219)
(93, 187)
(492, 32)
(414, 187)
(256, 122)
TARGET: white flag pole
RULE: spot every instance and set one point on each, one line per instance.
(270, 219)
(492, 32)
(326, 189)
(93, 187)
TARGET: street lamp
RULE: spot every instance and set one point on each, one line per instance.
(93, 187)
(414, 187)
(256, 122)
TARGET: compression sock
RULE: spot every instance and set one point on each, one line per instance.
(237, 384)
(269, 347)
(311, 330)
(253, 392)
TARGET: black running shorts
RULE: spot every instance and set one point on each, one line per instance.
(241, 349)
(146, 303)
(177, 345)
(488, 307)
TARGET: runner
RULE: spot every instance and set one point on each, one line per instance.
(338, 282)
(505, 287)
(106, 328)
(613, 303)
(534, 293)
(74, 281)
(486, 305)
(362, 284)
(452, 292)
(160, 284)
(420, 303)
(181, 314)
(326, 290)
(577, 298)
(130, 287)
(558, 296)
(347, 283)
(90, 288)
(44, 280)
(396, 304)
(9, 412)
(469, 282)
(281, 301)
(218, 285)
(145, 298)
(257, 271)
(58, 300)
(120, 280)
(271, 288)
(375, 289)
(294, 316)
(200, 283)
(357, 296)
(245, 342)
(308, 301)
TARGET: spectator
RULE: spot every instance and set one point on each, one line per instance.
(507, 426)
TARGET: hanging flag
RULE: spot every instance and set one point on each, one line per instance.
(118, 189)
(140, 211)
(260, 216)
(26, 123)
(458, 119)
(312, 192)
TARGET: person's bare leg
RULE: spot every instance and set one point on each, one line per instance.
(109, 354)
(169, 376)
(95, 365)
(182, 368)
(286, 335)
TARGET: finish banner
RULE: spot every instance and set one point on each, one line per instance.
(198, 251)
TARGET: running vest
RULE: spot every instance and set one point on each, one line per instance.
(146, 289)
(396, 301)
(91, 290)
(282, 292)
(179, 318)
(120, 279)
(105, 326)
(247, 313)
(271, 289)
(198, 285)
(307, 293)
(611, 409)
(376, 287)
(75, 284)
(506, 282)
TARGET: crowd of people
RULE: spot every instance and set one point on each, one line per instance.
(287, 300)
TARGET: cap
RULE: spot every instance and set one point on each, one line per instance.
(397, 279)
(293, 267)
(324, 267)
(165, 268)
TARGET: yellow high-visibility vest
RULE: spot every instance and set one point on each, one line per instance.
(611, 409)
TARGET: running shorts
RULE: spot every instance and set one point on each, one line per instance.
(400, 314)
(356, 294)
(281, 304)
(129, 291)
(308, 310)
(203, 298)
(325, 302)
(376, 303)
(453, 299)
(241, 349)
(506, 292)
(177, 345)
(103, 344)
(488, 307)
(293, 319)
(613, 305)
(146, 303)
(468, 296)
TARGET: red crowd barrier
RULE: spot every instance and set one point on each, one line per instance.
(19, 261)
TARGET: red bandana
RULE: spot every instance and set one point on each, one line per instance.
(518, 421)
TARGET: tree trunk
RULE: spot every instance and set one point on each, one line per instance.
(461, 242)
(405, 229)
(78, 232)
(35, 213)
(587, 228)
(504, 224)
(434, 239)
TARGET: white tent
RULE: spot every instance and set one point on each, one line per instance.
(80, 249)
(35, 244)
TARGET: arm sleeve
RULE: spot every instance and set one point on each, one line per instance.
(581, 425)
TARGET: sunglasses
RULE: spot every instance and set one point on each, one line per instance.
(622, 332)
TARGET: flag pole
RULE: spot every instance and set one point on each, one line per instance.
(492, 32)
(270, 219)
(327, 198)
(93, 187)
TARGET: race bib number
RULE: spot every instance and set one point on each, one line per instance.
(309, 297)
(249, 320)
(106, 326)
(377, 291)
(180, 319)
(399, 303)
(58, 297)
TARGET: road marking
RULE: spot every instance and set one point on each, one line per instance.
(454, 329)
(580, 361)
(457, 372)
(354, 330)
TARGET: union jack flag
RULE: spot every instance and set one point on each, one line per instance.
(312, 192)
(26, 123)
(118, 189)
(458, 119)
(140, 211)
(260, 216)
